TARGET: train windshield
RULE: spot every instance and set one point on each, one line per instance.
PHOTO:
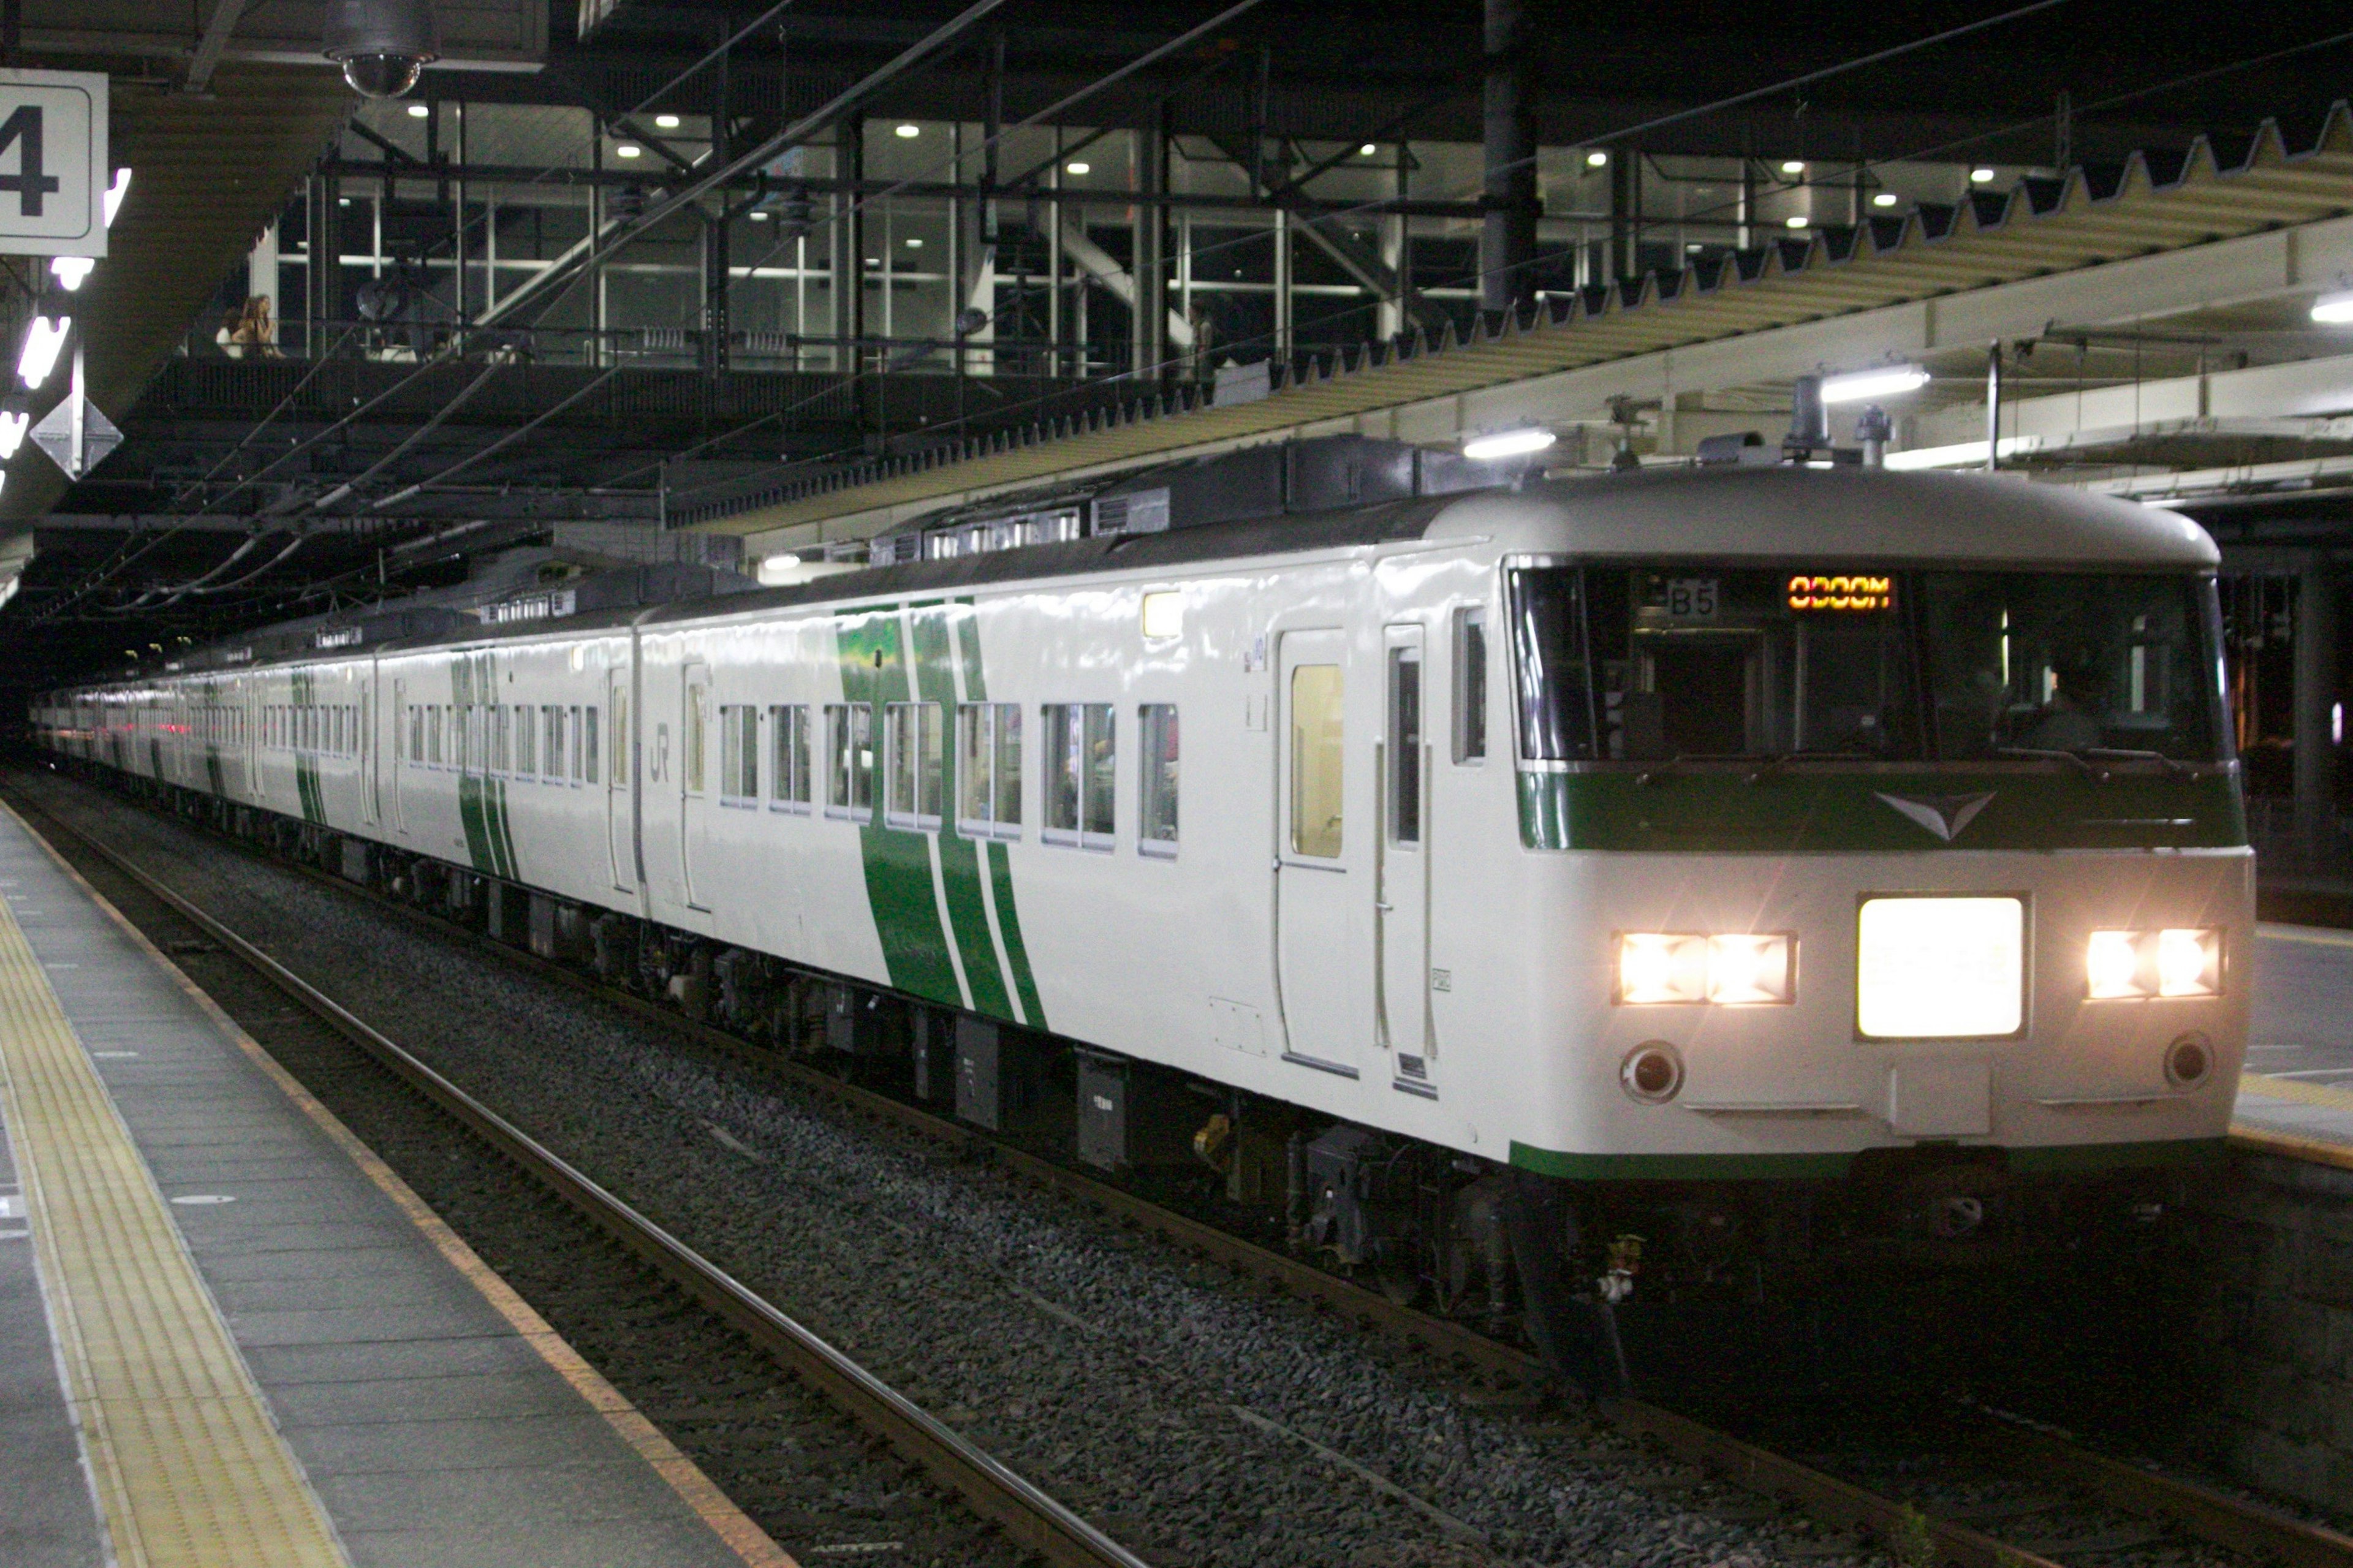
(1661, 660)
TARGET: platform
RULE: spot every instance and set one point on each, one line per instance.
(2297, 1089)
(228, 1335)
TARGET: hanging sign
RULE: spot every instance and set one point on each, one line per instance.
(53, 162)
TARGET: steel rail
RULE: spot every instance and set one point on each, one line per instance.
(993, 1490)
(2213, 1516)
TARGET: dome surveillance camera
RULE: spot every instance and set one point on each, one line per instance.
(382, 44)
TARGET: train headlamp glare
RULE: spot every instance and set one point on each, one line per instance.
(1660, 967)
(2178, 961)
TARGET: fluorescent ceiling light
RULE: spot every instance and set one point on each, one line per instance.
(1793, 221)
(759, 217)
(665, 122)
(43, 339)
(1507, 444)
(1885, 380)
(913, 244)
(1595, 159)
(627, 150)
(1794, 166)
(910, 130)
(418, 111)
(2333, 310)
(69, 270)
(12, 433)
(1078, 168)
(1367, 149)
(1981, 176)
(1883, 199)
(115, 193)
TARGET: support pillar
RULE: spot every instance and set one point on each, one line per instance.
(1507, 241)
(849, 244)
(1149, 331)
(2316, 698)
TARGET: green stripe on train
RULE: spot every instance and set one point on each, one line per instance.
(898, 863)
(1805, 813)
(2057, 1160)
(935, 671)
(994, 859)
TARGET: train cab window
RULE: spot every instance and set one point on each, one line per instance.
(589, 717)
(1155, 801)
(1405, 745)
(1082, 774)
(739, 753)
(1470, 684)
(989, 770)
(849, 760)
(916, 764)
(789, 764)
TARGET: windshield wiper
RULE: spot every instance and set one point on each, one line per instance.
(2081, 761)
(2174, 768)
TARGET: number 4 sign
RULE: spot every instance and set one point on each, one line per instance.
(53, 163)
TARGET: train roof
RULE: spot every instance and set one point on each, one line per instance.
(1840, 515)
(1844, 516)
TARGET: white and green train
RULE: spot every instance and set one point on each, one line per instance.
(1723, 832)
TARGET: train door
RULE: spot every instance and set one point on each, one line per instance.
(1315, 890)
(1401, 864)
(371, 802)
(620, 786)
(694, 782)
(405, 731)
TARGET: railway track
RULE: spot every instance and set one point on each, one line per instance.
(1915, 1537)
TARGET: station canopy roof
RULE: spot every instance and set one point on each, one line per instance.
(2218, 188)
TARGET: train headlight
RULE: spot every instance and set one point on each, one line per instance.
(1749, 970)
(2128, 965)
(1659, 967)
(1940, 969)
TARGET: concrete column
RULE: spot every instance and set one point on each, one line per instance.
(1507, 240)
(2316, 696)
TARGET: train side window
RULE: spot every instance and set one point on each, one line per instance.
(915, 764)
(552, 739)
(588, 760)
(526, 747)
(739, 753)
(849, 760)
(1470, 685)
(1155, 811)
(989, 770)
(1082, 772)
(789, 764)
(1405, 745)
(1317, 761)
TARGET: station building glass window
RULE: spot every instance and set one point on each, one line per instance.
(988, 769)
(789, 766)
(1156, 810)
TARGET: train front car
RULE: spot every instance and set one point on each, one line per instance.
(1881, 876)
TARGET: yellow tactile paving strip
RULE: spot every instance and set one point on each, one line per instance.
(189, 1470)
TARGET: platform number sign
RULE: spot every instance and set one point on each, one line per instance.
(1691, 599)
(53, 162)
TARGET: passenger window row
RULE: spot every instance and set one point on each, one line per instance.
(320, 729)
(1079, 767)
(552, 742)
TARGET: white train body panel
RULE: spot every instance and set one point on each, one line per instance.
(1459, 987)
